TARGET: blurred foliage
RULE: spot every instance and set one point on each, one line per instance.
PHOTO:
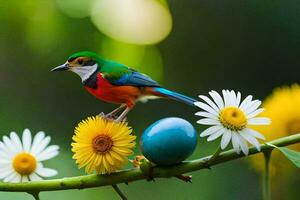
(251, 46)
(76, 9)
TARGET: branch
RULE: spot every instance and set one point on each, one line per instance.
(89, 181)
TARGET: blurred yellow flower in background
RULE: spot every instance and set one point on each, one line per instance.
(102, 145)
(283, 108)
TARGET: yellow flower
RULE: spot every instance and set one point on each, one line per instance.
(102, 145)
(283, 108)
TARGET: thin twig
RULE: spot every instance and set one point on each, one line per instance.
(214, 157)
(120, 193)
(35, 195)
(266, 178)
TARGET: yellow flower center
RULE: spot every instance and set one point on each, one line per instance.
(233, 118)
(102, 144)
(24, 163)
(293, 126)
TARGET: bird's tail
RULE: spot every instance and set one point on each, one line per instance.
(162, 92)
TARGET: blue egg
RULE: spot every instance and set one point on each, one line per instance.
(169, 141)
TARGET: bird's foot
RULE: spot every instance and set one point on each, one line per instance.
(102, 114)
(110, 117)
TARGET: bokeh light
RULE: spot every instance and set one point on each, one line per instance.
(132, 21)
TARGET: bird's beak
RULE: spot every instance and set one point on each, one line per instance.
(63, 67)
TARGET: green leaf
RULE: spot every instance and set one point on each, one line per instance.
(293, 156)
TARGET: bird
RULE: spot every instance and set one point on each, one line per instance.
(116, 83)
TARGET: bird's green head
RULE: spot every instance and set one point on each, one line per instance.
(83, 63)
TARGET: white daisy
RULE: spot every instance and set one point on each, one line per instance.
(20, 161)
(229, 118)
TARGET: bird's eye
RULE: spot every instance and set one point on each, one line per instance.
(80, 61)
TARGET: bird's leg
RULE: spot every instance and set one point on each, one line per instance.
(123, 114)
(112, 114)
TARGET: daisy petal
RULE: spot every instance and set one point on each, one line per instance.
(238, 99)
(215, 135)
(211, 130)
(217, 98)
(225, 139)
(206, 108)
(246, 102)
(4, 160)
(209, 102)
(6, 173)
(232, 98)
(9, 145)
(252, 106)
(40, 146)
(48, 153)
(4, 156)
(26, 139)
(235, 143)
(24, 179)
(243, 145)
(5, 150)
(34, 177)
(254, 113)
(208, 121)
(38, 138)
(17, 142)
(16, 179)
(255, 134)
(259, 121)
(252, 140)
(10, 177)
(46, 172)
(206, 114)
(226, 97)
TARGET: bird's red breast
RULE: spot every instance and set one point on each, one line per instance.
(115, 94)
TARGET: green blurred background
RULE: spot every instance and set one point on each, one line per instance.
(251, 46)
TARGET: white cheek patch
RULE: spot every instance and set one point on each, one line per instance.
(84, 72)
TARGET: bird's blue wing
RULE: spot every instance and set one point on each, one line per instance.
(119, 74)
(135, 79)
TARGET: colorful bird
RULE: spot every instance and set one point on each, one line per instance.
(116, 83)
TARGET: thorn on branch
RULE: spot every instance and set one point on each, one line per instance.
(206, 163)
(184, 178)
